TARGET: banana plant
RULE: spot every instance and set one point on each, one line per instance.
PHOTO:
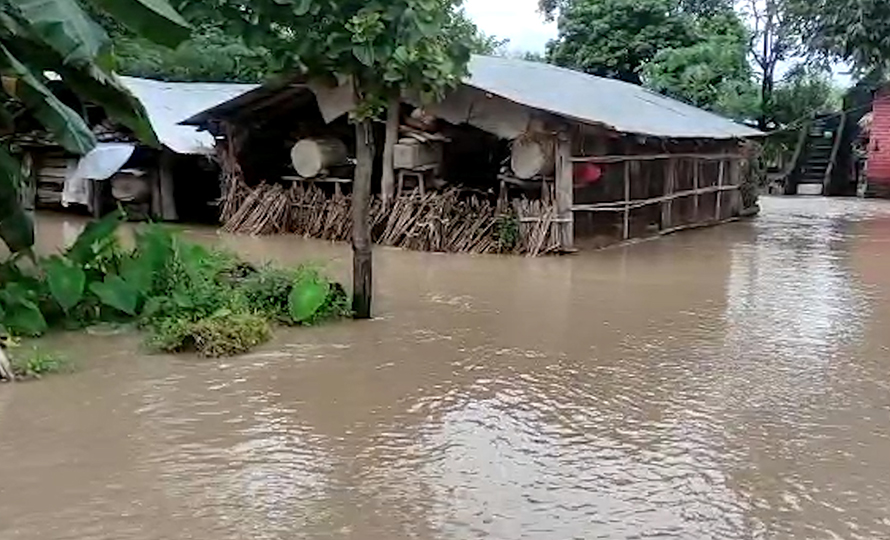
(40, 39)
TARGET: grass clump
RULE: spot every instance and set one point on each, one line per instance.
(185, 296)
(38, 363)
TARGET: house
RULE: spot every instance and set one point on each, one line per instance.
(176, 180)
(522, 156)
(877, 170)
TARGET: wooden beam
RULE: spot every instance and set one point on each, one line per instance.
(626, 229)
(361, 225)
(717, 213)
(167, 195)
(565, 191)
(652, 157)
(388, 183)
(618, 206)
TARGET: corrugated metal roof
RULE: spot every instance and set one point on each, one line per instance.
(617, 105)
(168, 104)
(588, 99)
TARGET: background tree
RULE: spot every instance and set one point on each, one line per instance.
(855, 31)
(802, 92)
(713, 73)
(774, 41)
(616, 38)
(38, 37)
(382, 47)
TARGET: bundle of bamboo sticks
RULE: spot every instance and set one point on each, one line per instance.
(451, 220)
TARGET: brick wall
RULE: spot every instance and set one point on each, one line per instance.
(879, 145)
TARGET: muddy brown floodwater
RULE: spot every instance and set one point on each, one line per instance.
(730, 383)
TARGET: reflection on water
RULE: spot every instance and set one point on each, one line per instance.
(728, 383)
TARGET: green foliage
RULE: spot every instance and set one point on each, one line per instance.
(855, 31)
(507, 232)
(616, 38)
(223, 333)
(186, 297)
(713, 73)
(385, 46)
(800, 94)
(42, 36)
(306, 298)
(66, 281)
(37, 363)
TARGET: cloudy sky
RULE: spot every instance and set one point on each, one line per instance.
(516, 20)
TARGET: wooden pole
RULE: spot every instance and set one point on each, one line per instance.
(717, 213)
(387, 187)
(167, 189)
(6, 373)
(361, 227)
(626, 200)
(667, 207)
(696, 180)
(565, 191)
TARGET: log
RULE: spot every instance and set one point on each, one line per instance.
(310, 157)
(530, 158)
(361, 224)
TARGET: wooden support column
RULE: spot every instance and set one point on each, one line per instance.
(565, 191)
(167, 195)
(388, 183)
(626, 229)
(696, 179)
(667, 207)
(361, 221)
(735, 179)
(718, 211)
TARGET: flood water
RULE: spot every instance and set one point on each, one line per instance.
(728, 383)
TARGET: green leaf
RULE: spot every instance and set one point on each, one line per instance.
(68, 128)
(138, 272)
(16, 226)
(302, 7)
(117, 293)
(65, 27)
(106, 90)
(66, 281)
(364, 54)
(25, 318)
(155, 20)
(95, 238)
(306, 298)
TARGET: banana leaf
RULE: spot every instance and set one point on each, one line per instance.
(64, 26)
(16, 227)
(68, 128)
(155, 20)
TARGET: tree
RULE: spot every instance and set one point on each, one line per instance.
(616, 38)
(383, 47)
(855, 31)
(38, 37)
(802, 92)
(713, 73)
(774, 41)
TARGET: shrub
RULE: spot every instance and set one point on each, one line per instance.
(38, 363)
(224, 333)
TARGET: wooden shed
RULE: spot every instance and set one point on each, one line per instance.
(522, 157)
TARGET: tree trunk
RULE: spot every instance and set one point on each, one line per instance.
(392, 137)
(361, 231)
(6, 373)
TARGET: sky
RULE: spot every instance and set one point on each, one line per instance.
(516, 20)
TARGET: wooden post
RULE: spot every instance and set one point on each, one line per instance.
(696, 185)
(6, 373)
(626, 200)
(565, 191)
(167, 198)
(361, 221)
(392, 137)
(718, 211)
(667, 207)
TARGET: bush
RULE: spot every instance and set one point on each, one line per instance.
(225, 333)
(38, 363)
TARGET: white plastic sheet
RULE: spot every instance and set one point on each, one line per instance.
(99, 164)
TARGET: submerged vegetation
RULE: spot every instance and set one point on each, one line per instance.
(185, 296)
